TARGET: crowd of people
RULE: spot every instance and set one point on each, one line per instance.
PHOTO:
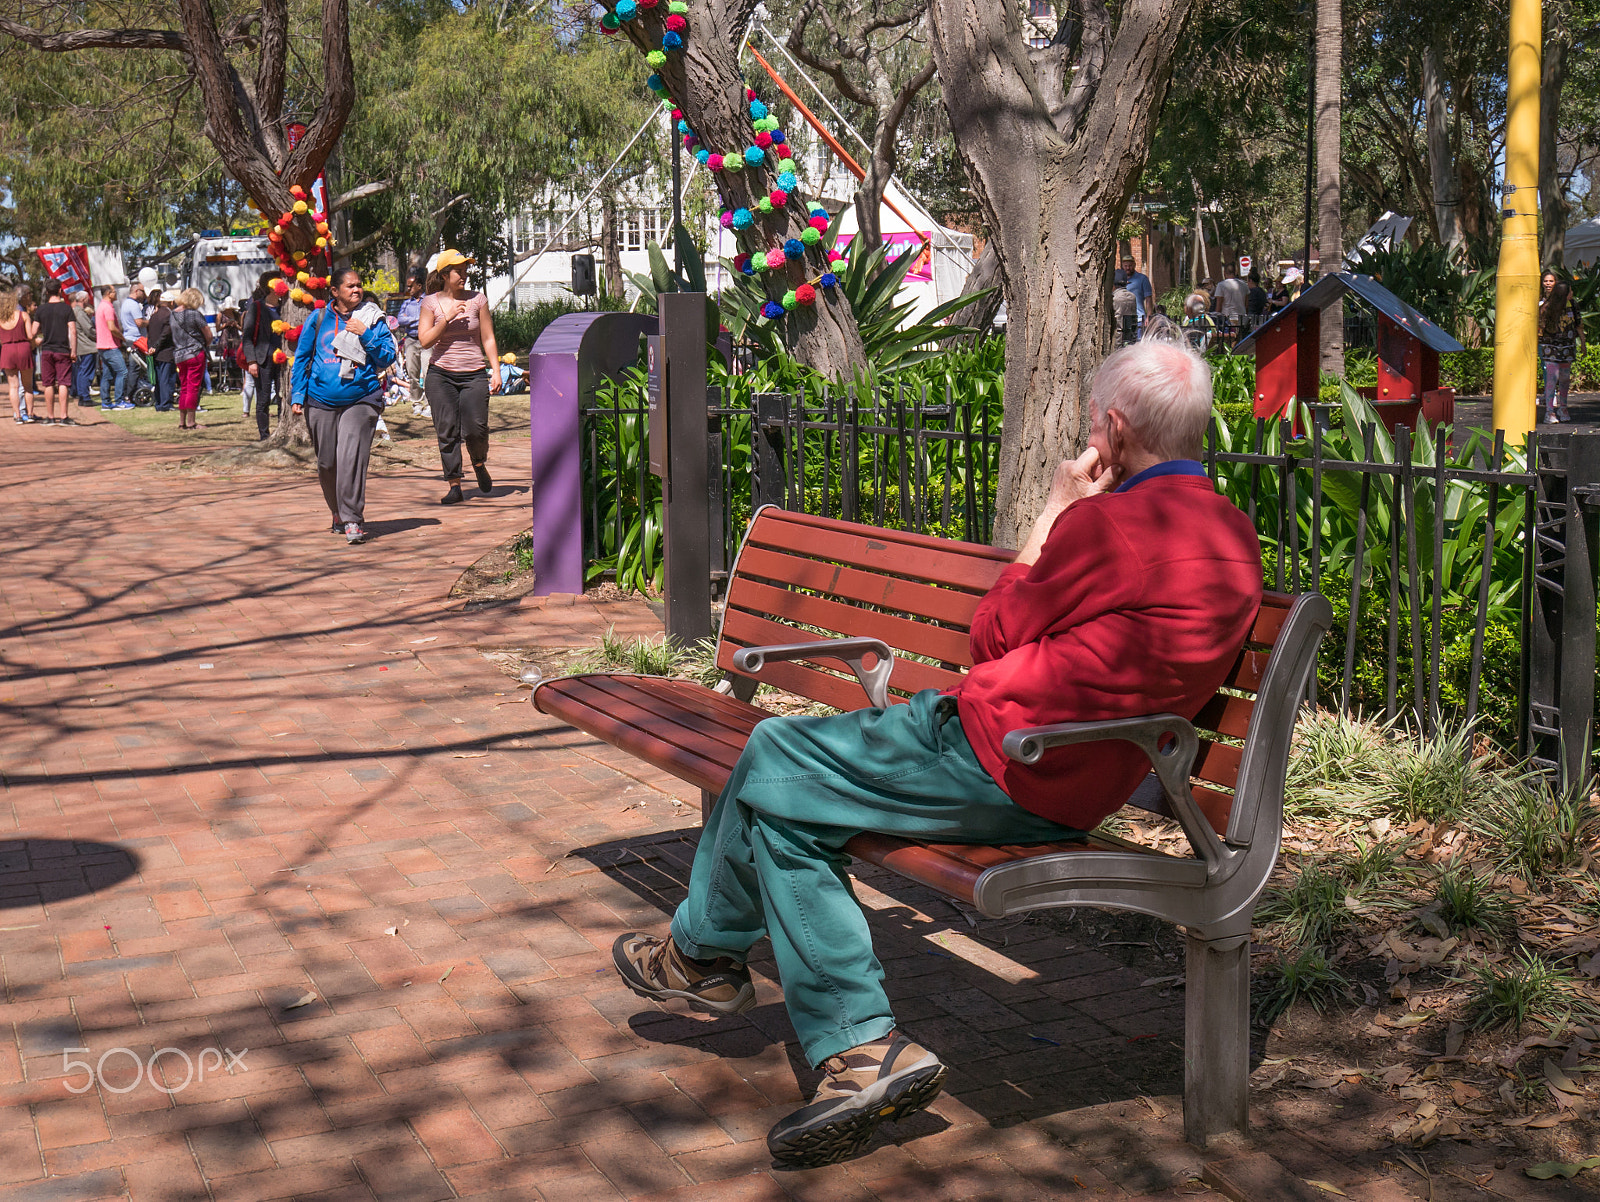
(1215, 312)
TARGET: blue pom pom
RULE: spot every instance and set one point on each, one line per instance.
(683, 127)
(787, 181)
(671, 41)
(702, 154)
(654, 84)
(754, 155)
(627, 9)
(828, 279)
(749, 268)
(817, 211)
(757, 110)
(742, 219)
(772, 309)
(794, 248)
(777, 137)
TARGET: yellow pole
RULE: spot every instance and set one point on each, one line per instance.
(1517, 284)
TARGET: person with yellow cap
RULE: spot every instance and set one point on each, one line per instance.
(455, 324)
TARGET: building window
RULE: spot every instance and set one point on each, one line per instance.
(631, 228)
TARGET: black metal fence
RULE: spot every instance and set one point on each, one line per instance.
(1462, 571)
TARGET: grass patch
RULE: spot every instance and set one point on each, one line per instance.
(1311, 910)
(1307, 977)
(1520, 988)
(1465, 901)
(1538, 828)
(1437, 779)
(1336, 765)
(651, 657)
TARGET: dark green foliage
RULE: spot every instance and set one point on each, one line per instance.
(1509, 993)
(1307, 977)
(1465, 901)
(516, 329)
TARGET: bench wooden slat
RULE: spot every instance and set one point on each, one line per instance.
(1227, 715)
(741, 629)
(1247, 671)
(654, 741)
(1218, 763)
(972, 567)
(947, 605)
(1274, 612)
(902, 634)
(636, 698)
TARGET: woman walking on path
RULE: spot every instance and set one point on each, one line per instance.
(16, 354)
(190, 337)
(1560, 328)
(455, 324)
(338, 360)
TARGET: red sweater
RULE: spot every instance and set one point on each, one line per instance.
(1137, 605)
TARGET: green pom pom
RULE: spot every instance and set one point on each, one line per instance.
(656, 58)
(766, 125)
(789, 301)
(758, 262)
(785, 165)
(764, 205)
(811, 237)
(677, 6)
(733, 162)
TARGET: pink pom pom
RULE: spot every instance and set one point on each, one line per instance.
(677, 114)
(778, 197)
(749, 93)
(675, 21)
(775, 258)
(715, 162)
(727, 219)
(763, 139)
(806, 294)
(834, 256)
(818, 223)
(648, 3)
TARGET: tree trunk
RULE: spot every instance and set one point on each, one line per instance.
(705, 83)
(1330, 231)
(1053, 197)
(1441, 154)
(1553, 207)
(985, 274)
(611, 246)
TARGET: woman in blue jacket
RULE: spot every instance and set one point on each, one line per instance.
(341, 351)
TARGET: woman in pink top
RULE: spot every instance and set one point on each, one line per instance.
(16, 353)
(455, 325)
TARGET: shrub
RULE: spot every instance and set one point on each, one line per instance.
(1586, 371)
(1519, 988)
(1470, 372)
(516, 329)
(1310, 910)
(1538, 829)
(1466, 902)
(1306, 977)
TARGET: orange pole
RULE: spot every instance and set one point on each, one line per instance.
(833, 143)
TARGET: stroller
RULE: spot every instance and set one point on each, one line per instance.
(141, 372)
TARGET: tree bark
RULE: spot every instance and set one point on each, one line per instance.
(985, 274)
(610, 246)
(1053, 197)
(1330, 232)
(1441, 154)
(1553, 207)
(705, 82)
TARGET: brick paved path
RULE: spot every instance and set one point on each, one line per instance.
(263, 791)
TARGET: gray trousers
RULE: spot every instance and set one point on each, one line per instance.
(342, 439)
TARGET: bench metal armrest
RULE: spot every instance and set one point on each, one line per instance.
(874, 680)
(1172, 763)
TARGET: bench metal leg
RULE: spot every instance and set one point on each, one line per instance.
(1216, 1046)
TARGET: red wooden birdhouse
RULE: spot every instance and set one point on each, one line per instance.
(1287, 347)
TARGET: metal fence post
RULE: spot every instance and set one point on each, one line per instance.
(1562, 613)
(766, 431)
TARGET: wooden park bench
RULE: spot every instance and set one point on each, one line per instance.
(895, 609)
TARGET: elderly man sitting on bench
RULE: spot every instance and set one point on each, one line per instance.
(1131, 596)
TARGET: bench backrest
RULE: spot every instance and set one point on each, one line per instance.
(801, 577)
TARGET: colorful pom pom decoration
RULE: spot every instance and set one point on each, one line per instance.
(608, 23)
(764, 205)
(787, 181)
(727, 219)
(714, 161)
(675, 6)
(677, 113)
(321, 304)
(281, 287)
(775, 257)
(656, 58)
(786, 164)
(778, 137)
(749, 93)
(683, 127)
(828, 279)
(748, 268)
(741, 261)
(297, 191)
(770, 309)
(654, 84)
(676, 23)
(754, 155)
(778, 197)
(806, 294)
(794, 248)
(835, 257)
(810, 237)
(627, 10)
(790, 300)
(279, 357)
(758, 110)
(733, 163)
(763, 140)
(648, 3)
(703, 156)
(818, 222)
(277, 327)
(742, 219)
(671, 41)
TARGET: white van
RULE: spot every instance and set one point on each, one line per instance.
(225, 269)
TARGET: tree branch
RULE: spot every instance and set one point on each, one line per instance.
(96, 39)
(345, 199)
(834, 68)
(338, 95)
(270, 76)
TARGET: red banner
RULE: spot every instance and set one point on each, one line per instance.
(69, 264)
(319, 190)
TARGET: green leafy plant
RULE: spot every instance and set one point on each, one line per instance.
(1307, 977)
(1519, 988)
(1437, 778)
(1465, 901)
(651, 657)
(1538, 829)
(1310, 910)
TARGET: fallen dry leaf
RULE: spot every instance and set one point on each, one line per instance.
(470, 755)
(432, 638)
(1327, 1187)
(305, 1001)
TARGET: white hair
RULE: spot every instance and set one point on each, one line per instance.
(1163, 390)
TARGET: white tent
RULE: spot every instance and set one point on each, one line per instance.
(1583, 244)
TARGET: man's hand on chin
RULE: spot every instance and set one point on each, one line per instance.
(1075, 479)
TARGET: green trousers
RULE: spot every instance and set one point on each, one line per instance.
(769, 860)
